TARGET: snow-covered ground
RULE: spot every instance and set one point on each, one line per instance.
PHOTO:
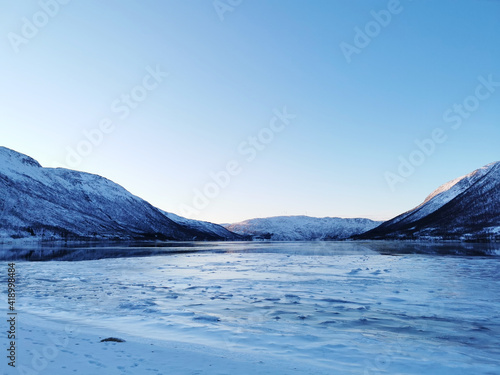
(274, 308)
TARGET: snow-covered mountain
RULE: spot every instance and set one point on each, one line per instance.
(57, 203)
(465, 208)
(301, 228)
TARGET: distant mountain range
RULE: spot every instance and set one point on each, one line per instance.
(467, 208)
(301, 228)
(57, 203)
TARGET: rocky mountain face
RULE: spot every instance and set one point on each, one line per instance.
(57, 203)
(301, 228)
(467, 208)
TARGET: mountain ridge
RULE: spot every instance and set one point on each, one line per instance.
(466, 208)
(58, 203)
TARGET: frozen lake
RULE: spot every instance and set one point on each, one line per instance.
(333, 307)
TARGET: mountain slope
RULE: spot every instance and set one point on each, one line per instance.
(301, 228)
(59, 203)
(465, 208)
(202, 226)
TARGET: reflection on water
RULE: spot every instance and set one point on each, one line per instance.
(44, 251)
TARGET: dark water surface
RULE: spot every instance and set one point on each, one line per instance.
(46, 251)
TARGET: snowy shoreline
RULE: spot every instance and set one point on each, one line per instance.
(51, 346)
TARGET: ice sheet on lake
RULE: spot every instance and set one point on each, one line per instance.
(362, 313)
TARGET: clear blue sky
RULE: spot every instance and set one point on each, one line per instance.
(65, 70)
